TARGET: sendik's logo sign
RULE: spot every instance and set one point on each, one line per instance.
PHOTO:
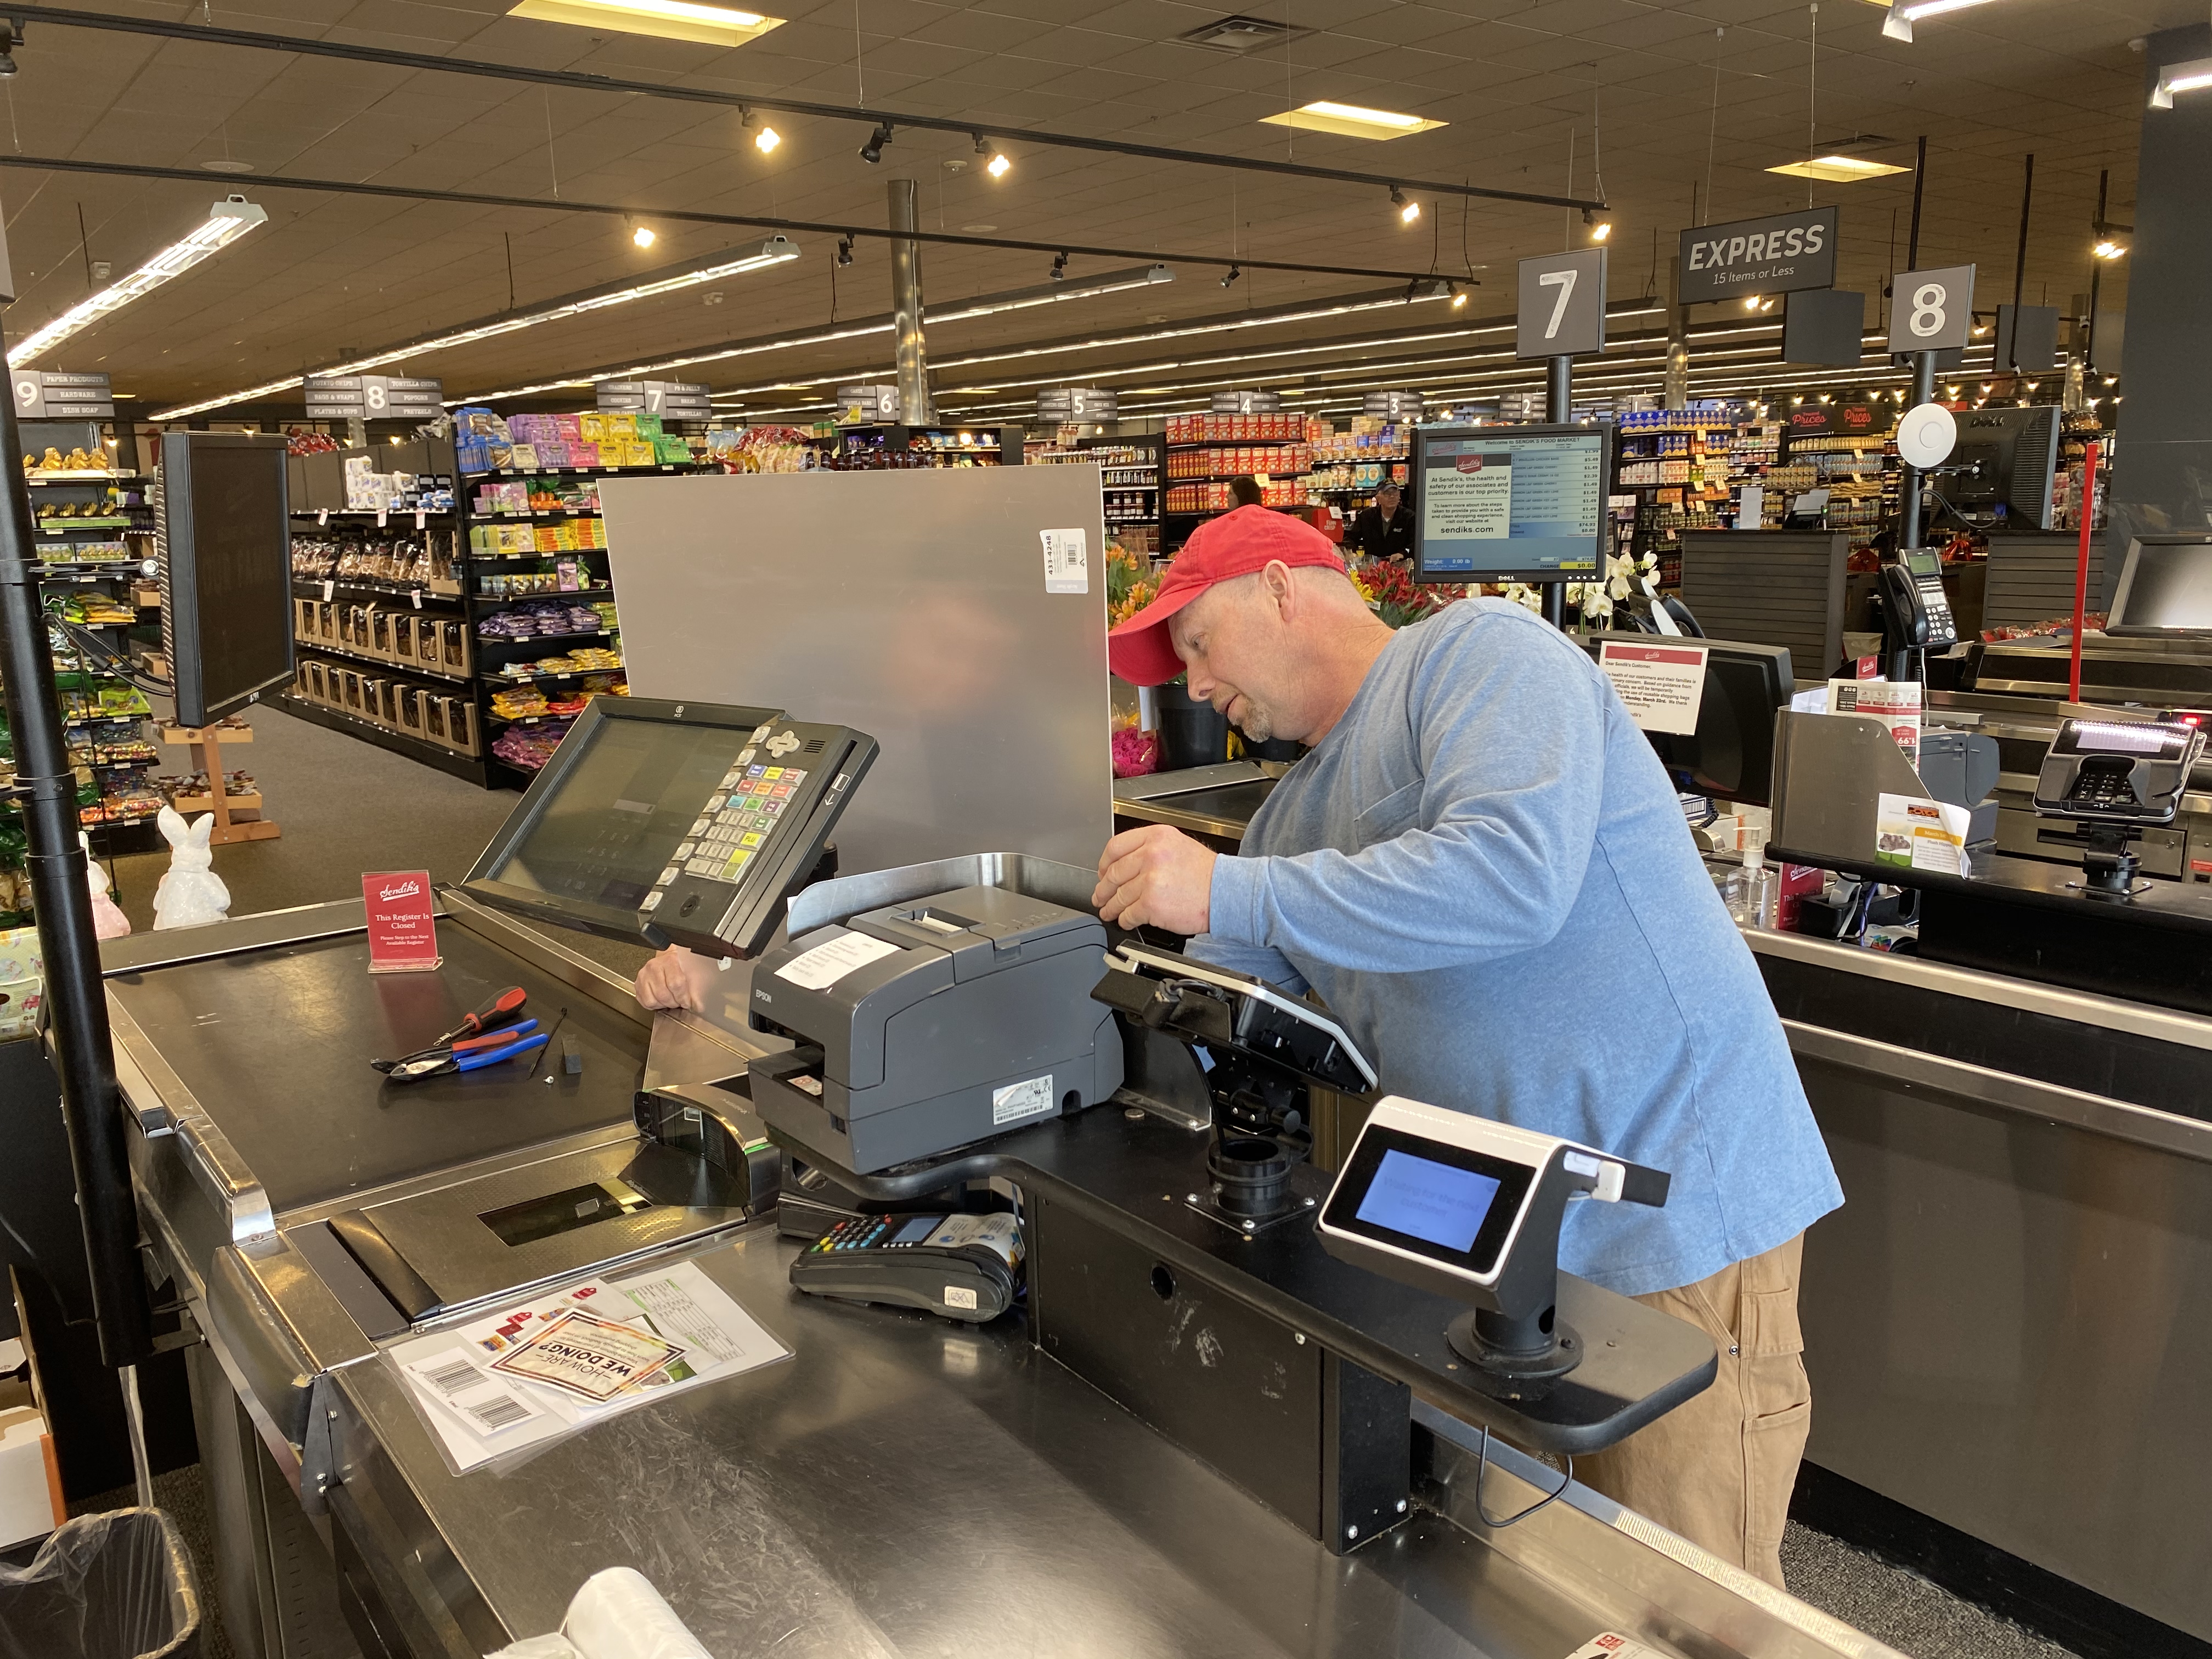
(1776, 255)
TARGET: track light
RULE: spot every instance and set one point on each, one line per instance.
(1234, 273)
(844, 250)
(2109, 249)
(1599, 228)
(999, 166)
(11, 36)
(873, 151)
(1060, 267)
(643, 236)
(766, 140)
(1407, 212)
(1459, 299)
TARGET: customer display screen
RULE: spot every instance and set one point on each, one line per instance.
(622, 795)
(2166, 584)
(1448, 1203)
(1518, 503)
(1431, 1200)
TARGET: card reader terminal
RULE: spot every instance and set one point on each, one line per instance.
(760, 828)
(964, 1267)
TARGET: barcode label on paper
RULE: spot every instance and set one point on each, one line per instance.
(485, 1403)
(501, 1413)
(453, 1379)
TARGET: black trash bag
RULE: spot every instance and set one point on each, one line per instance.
(117, 1585)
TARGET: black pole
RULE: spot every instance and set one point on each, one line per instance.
(1924, 392)
(2020, 262)
(77, 1003)
(1919, 178)
(2096, 279)
(1558, 409)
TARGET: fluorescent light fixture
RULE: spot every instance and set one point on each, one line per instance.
(776, 250)
(670, 20)
(2180, 78)
(1021, 298)
(1350, 121)
(226, 221)
(1839, 169)
(1897, 26)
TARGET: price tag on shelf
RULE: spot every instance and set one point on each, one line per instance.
(383, 517)
(416, 594)
(322, 515)
(422, 518)
(330, 590)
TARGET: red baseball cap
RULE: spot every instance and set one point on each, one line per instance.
(1239, 543)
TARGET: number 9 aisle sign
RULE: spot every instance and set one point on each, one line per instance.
(1930, 310)
(1562, 304)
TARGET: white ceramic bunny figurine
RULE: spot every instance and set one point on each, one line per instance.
(108, 920)
(191, 894)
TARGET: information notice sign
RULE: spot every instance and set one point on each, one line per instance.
(1662, 685)
(403, 931)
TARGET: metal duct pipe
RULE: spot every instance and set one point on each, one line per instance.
(916, 408)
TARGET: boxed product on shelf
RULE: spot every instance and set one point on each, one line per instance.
(495, 538)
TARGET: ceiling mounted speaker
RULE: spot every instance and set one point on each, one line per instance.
(1926, 435)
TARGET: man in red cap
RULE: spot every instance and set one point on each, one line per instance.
(1482, 867)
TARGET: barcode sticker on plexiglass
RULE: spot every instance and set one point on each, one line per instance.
(486, 1405)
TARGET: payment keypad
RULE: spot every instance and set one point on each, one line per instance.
(738, 820)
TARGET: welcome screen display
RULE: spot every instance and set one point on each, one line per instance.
(1438, 1202)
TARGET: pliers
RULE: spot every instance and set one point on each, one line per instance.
(471, 1053)
(501, 1011)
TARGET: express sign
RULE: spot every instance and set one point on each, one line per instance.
(1779, 255)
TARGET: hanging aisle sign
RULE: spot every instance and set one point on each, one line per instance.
(372, 397)
(673, 400)
(1562, 304)
(44, 395)
(1779, 254)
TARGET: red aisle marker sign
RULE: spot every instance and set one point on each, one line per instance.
(403, 937)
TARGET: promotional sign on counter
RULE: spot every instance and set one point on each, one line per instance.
(402, 934)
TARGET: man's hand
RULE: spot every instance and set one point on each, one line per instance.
(1158, 876)
(677, 978)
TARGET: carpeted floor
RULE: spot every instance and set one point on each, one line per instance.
(346, 807)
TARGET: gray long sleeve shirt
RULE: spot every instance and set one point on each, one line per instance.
(1484, 869)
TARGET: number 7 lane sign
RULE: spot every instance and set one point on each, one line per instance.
(1930, 310)
(1562, 304)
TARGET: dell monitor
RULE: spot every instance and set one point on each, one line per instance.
(2013, 457)
(223, 539)
(2166, 587)
(1511, 503)
(1731, 754)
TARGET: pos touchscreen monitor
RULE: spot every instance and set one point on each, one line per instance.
(1511, 503)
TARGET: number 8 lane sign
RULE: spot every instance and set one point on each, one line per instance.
(1931, 310)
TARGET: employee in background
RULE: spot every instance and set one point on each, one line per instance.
(1483, 868)
(1384, 531)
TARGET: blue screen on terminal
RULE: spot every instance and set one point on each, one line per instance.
(1422, 1198)
(1494, 502)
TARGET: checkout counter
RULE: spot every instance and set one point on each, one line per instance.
(2004, 1320)
(1209, 1430)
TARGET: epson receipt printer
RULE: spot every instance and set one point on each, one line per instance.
(924, 1026)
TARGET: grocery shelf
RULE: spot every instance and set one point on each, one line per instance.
(354, 584)
(364, 657)
(468, 767)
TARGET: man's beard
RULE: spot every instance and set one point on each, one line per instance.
(1256, 725)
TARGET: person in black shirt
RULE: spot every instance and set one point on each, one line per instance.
(1384, 530)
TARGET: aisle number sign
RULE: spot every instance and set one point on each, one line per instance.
(374, 397)
(46, 395)
(1562, 304)
(1930, 310)
(674, 400)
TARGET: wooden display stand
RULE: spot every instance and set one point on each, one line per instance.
(206, 742)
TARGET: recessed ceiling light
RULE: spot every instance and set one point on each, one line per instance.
(1242, 35)
(1350, 121)
(1839, 169)
(979, 230)
(226, 166)
(670, 20)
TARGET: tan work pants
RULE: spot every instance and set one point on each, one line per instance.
(1718, 1468)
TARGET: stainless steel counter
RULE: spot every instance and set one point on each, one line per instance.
(2003, 1322)
(899, 1487)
